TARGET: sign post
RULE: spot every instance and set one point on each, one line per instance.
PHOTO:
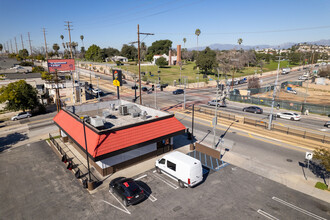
(117, 80)
(308, 156)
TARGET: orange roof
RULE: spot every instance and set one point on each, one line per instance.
(113, 140)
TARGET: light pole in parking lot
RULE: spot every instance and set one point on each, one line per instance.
(274, 95)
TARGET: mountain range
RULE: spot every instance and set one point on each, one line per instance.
(261, 46)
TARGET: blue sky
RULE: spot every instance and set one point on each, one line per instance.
(114, 23)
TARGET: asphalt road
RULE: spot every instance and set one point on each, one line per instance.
(44, 189)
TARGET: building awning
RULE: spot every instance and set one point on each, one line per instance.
(102, 144)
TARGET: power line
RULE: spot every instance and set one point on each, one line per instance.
(254, 32)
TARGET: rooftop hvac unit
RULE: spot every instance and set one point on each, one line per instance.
(123, 110)
(135, 114)
(144, 115)
(96, 122)
(112, 107)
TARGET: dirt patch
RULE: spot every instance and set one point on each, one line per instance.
(315, 94)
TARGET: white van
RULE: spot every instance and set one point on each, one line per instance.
(185, 169)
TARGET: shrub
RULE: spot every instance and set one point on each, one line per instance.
(38, 69)
(320, 185)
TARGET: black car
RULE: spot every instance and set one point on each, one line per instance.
(253, 109)
(144, 89)
(127, 189)
(178, 91)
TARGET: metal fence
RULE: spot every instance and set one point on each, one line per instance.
(209, 111)
(289, 131)
(290, 105)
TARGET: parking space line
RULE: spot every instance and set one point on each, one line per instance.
(141, 177)
(298, 209)
(123, 210)
(165, 181)
(150, 197)
(267, 215)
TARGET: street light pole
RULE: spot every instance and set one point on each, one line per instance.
(215, 120)
(89, 171)
(274, 95)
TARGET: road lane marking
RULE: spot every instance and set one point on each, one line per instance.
(141, 177)
(165, 181)
(250, 135)
(280, 124)
(267, 215)
(298, 209)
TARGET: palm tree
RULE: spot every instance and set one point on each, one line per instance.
(56, 48)
(240, 41)
(82, 39)
(184, 42)
(197, 32)
(74, 47)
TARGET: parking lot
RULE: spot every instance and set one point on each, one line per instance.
(36, 184)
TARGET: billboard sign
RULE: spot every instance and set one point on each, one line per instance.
(60, 65)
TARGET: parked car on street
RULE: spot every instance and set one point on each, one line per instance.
(291, 91)
(327, 124)
(289, 115)
(218, 102)
(178, 91)
(302, 78)
(253, 109)
(21, 115)
(127, 189)
(144, 89)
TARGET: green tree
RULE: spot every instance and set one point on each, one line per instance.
(38, 69)
(206, 60)
(161, 61)
(110, 52)
(323, 155)
(240, 41)
(56, 48)
(197, 33)
(129, 51)
(19, 96)
(1, 47)
(94, 53)
(160, 47)
(82, 39)
(23, 54)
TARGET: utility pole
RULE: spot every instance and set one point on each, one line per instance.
(22, 42)
(215, 119)
(310, 73)
(11, 47)
(16, 45)
(155, 88)
(274, 95)
(58, 100)
(69, 29)
(8, 47)
(138, 33)
(30, 44)
(45, 43)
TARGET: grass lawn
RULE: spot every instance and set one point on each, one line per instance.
(170, 73)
